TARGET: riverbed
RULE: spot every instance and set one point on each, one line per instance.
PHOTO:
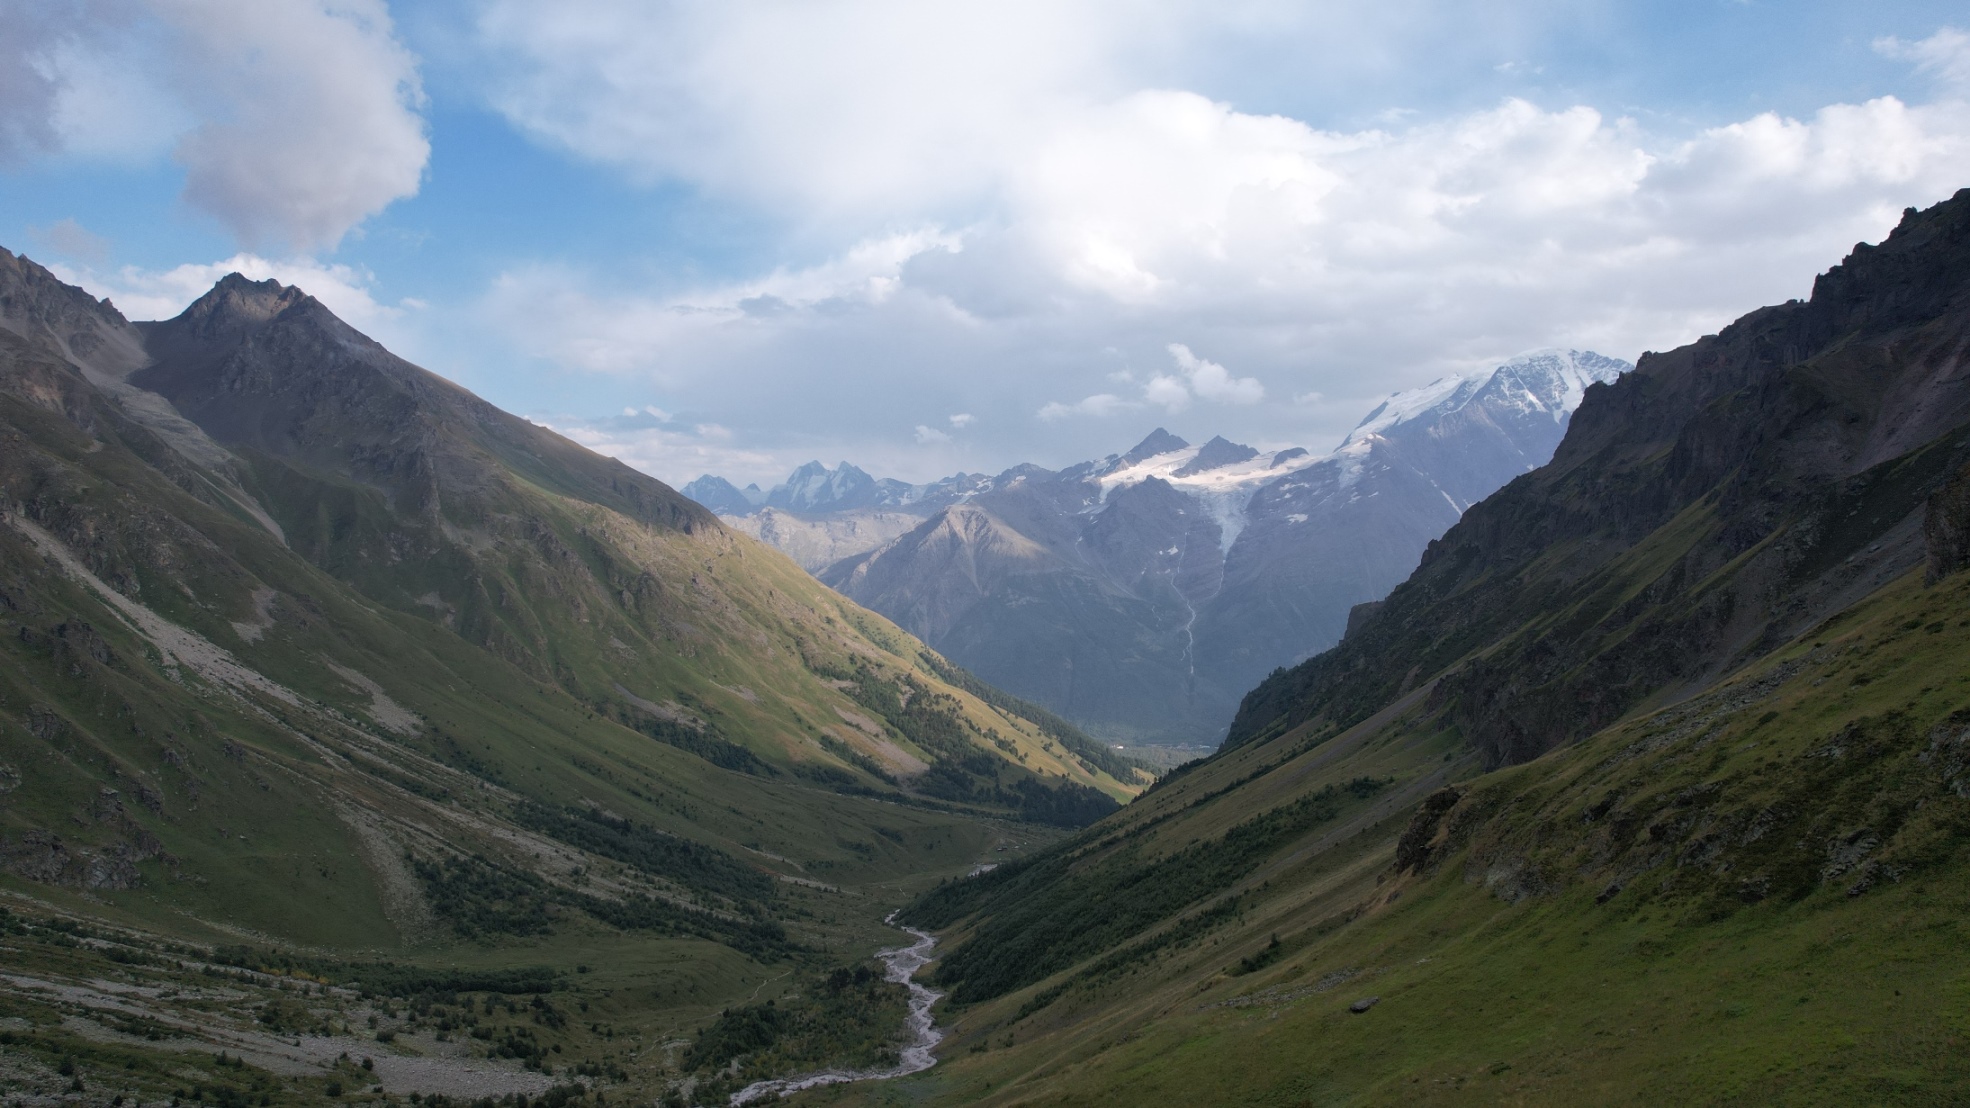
(901, 966)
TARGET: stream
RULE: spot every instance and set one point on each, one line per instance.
(902, 964)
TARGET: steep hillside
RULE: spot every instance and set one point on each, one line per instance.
(1734, 875)
(310, 650)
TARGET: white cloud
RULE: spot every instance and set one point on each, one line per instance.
(294, 120)
(963, 420)
(927, 434)
(1944, 55)
(1167, 391)
(310, 123)
(672, 455)
(557, 314)
(1212, 381)
(1100, 404)
(843, 107)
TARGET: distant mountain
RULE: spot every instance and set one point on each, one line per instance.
(722, 496)
(1142, 594)
(818, 516)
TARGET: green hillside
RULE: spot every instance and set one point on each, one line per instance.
(461, 699)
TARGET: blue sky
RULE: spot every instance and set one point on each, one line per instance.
(929, 237)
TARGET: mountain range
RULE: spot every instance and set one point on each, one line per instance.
(1141, 595)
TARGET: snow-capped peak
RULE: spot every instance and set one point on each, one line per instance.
(1551, 381)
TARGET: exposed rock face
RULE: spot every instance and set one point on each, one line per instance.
(1946, 526)
(1412, 851)
(91, 333)
(1704, 508)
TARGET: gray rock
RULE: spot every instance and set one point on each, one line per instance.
(1364, 1004)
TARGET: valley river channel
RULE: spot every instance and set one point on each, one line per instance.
(902, 964)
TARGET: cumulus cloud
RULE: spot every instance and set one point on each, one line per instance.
(848, 107)
(963, 420)
(1944, 55)
(310, 123)
(294, 120)
(927, 434)
(1211, 381)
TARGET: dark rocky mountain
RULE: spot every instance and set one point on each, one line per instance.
(1141, 595)
(1216, 454)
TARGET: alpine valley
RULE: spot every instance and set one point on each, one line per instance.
(361, 742)
(1141, 595)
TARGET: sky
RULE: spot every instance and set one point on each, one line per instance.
(928, 237)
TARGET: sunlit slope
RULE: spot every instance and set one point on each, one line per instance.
(203, 731)
(568, 565)
(1756, 896)
(331, 733)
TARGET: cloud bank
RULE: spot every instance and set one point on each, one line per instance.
(1080, 239)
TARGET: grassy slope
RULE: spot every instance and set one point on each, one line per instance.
(1788, 927)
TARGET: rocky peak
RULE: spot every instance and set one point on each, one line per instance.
(816, 487)
(722, 496)
(39, 306)
(237, 304)
(1217, 454)
(1159, 441)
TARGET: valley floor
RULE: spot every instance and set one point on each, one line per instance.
(96, 1006)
